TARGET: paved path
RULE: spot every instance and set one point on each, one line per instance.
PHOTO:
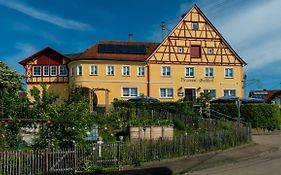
(260, 158)
(267, 162)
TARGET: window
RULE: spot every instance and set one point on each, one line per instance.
(228, 72)
(141, 71)
(194, 26)
(62, 70)
(180, 49)
(36, 70)
(229, 92)
(126, 70)
(195, 51)
(53, 70)
(209, 72)
(166, 92)
(72, 71)
(212, 92)
(210, 51)
(93, 69)
(129, 92)
(166, 71)
(79, 70)
(46, 71)
(189, 71)
(109, 70)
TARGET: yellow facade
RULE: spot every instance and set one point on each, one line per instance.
(193, 58)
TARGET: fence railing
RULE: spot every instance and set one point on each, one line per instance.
(127, 153)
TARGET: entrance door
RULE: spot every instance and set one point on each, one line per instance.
(190, 94)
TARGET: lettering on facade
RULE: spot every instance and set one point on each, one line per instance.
(202, 80)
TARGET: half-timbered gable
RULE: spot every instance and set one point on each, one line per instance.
(194, 40)
(46, 66)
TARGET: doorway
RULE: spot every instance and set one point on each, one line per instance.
(190, 94)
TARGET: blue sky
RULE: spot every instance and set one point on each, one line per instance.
(252, 27)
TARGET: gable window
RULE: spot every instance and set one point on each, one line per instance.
(209, 72)
(141, 71)
(46, 71)
(126, 70)
(109, 70)
(195, 51)
(129, 92)
(229, 92)
(93, 69)
(53, 70)
(72, 71)
(194, 26)
(228, 72)
(210, 51)
(180, 50)
(79, 70)
(166, 92)
(189, 71)
(62, 70)
(211, 92)
(36, 71)
(166, 71)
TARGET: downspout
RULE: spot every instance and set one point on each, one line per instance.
(148, 79)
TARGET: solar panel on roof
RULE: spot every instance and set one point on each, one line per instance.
(121, 49)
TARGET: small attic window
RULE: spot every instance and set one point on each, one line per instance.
(210, 51)
(180, 49)
(194, 26)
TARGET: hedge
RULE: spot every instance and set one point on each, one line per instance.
(171, 107)
(265, 116)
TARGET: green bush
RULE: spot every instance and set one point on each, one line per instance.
(171, 107)
(265, 116)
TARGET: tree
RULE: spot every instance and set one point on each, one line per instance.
(10, 85)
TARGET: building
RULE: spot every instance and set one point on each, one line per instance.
(193, 58)
(269, 96)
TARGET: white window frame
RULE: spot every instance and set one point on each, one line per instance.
(78, 69)
(60, 73)
(187, 72)
(107, 70)
(94, 70)
(209, 68)
(228, 92)
(130, 91)
(139, 72)
(164, 71)
(33, 71)
(51, 72)
(227, 73)
(166, 92)
(193, 24)
(208, 90)
(48, 71)
(72, 71)
(126, 70)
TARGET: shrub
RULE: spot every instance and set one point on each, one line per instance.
(171, 107)
(265, 116)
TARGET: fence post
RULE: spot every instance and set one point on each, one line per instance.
(75, 158)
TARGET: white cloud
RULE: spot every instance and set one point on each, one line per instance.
(255, 33)
(53, 19)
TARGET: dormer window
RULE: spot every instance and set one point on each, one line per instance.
(36, 70)
(194, 26)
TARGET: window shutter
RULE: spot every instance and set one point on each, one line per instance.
(195, 51)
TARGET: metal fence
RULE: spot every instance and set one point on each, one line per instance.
(126, 153)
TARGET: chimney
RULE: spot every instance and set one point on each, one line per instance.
(130, 37)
